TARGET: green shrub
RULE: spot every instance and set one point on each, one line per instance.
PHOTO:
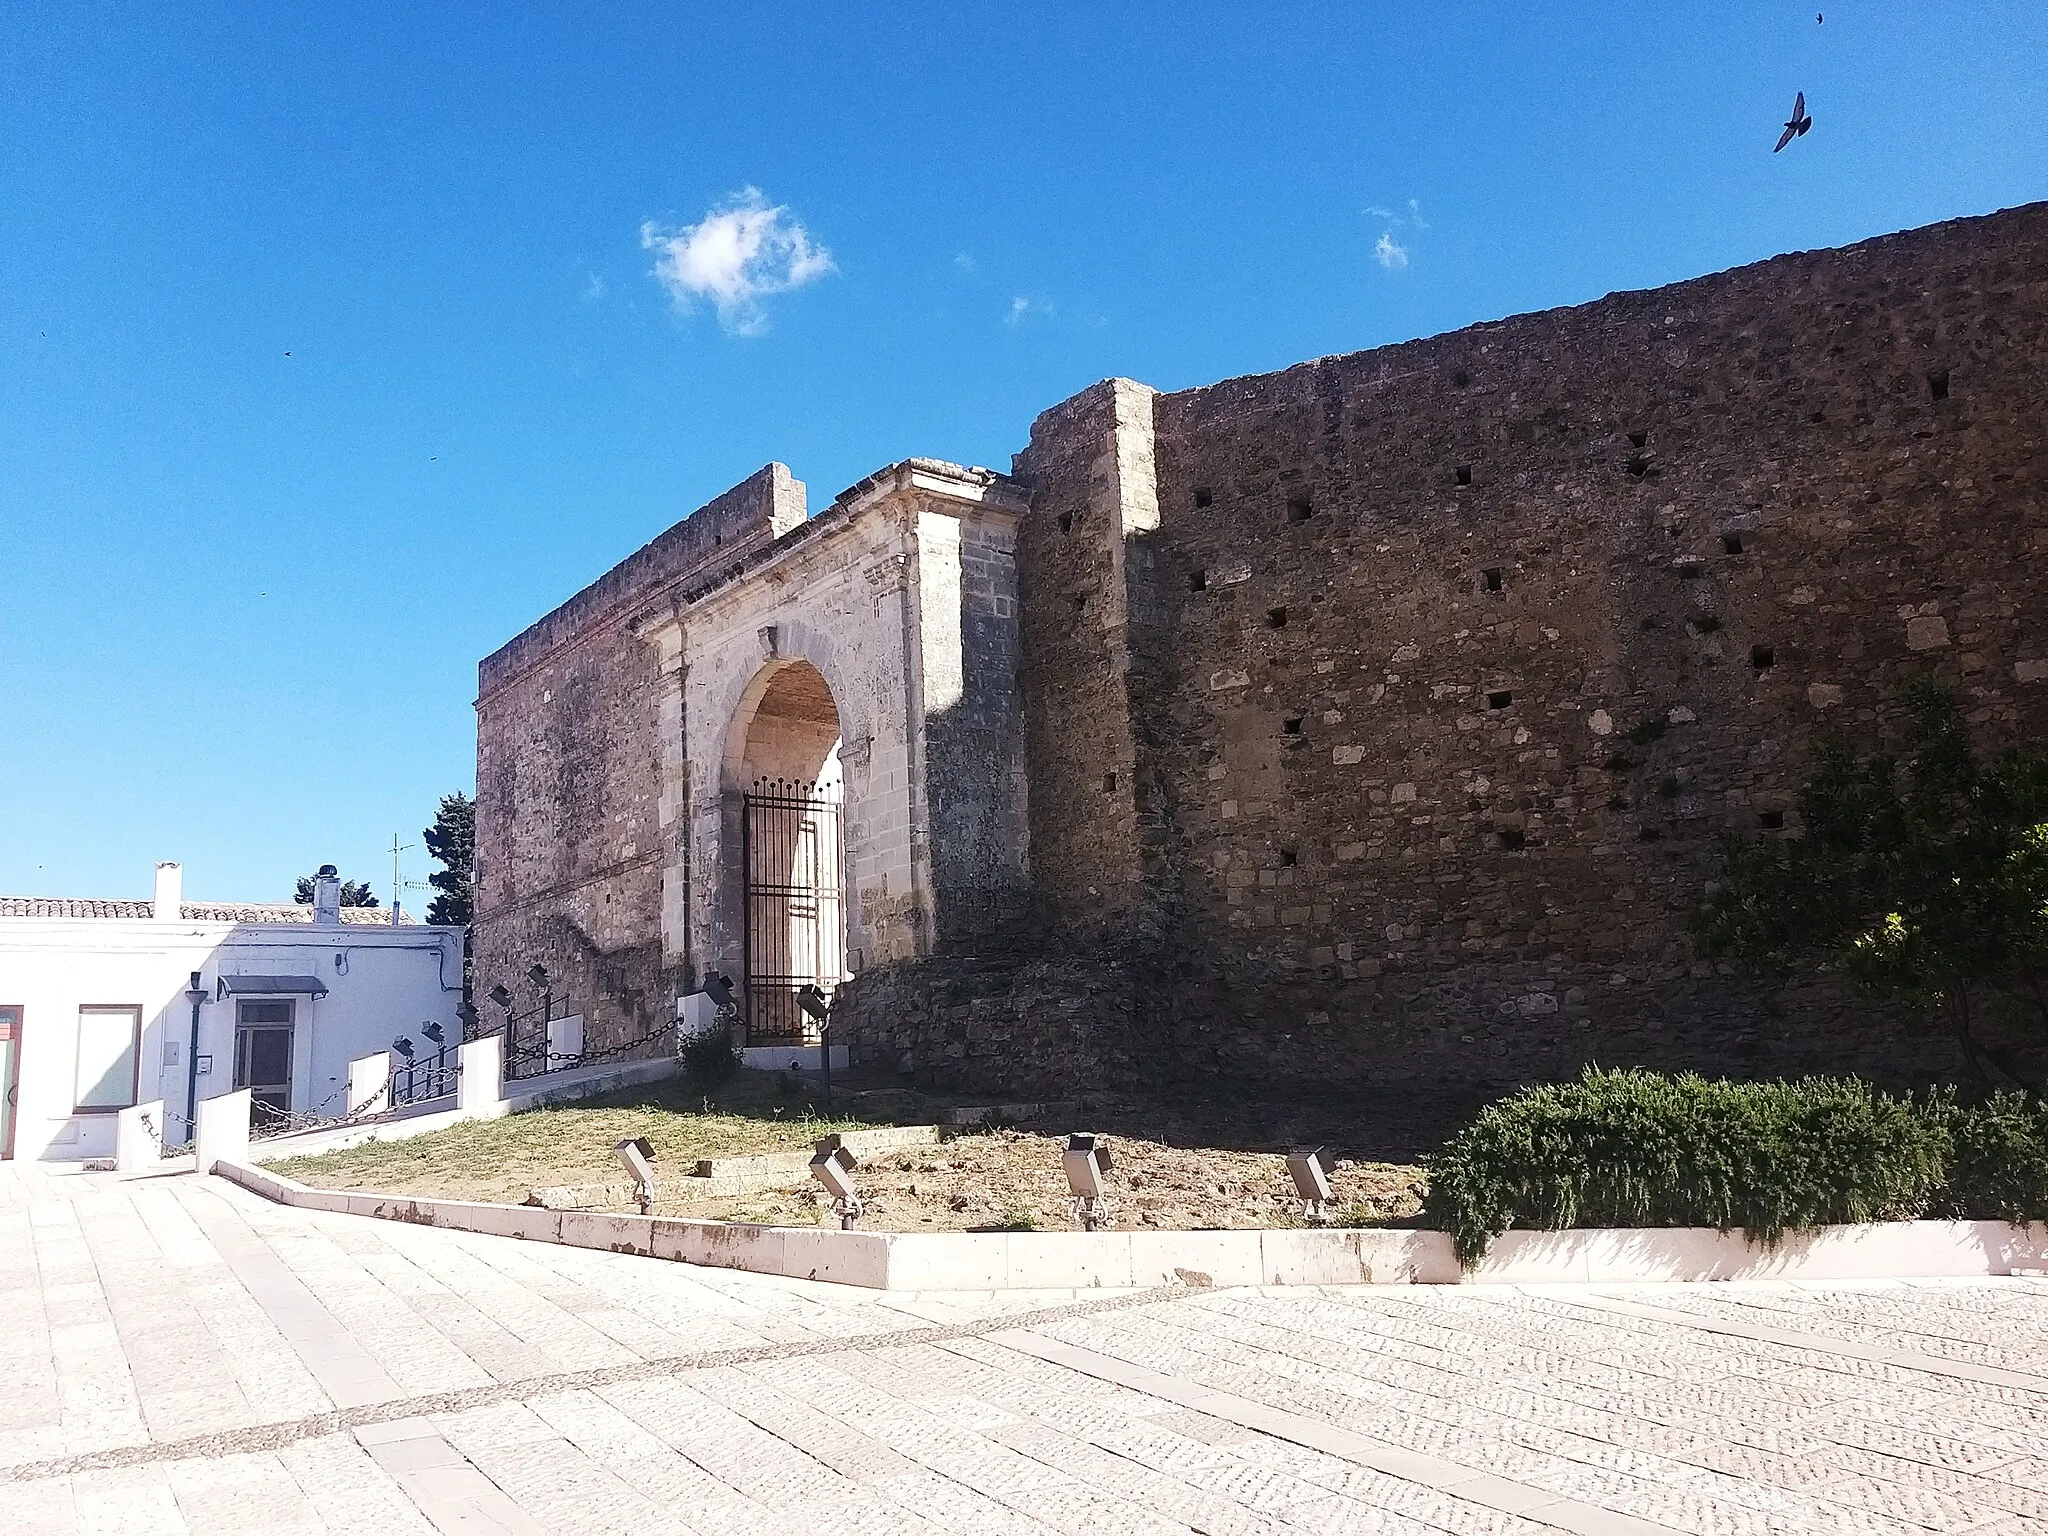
(1637, 1149)
(711, 1059)
(1998, 1159)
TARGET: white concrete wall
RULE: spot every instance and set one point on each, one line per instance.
(381, 982)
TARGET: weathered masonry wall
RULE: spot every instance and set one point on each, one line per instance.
(568, 830)
(1448, 663)
(1372, 721)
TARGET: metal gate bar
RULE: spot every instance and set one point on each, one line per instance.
(790, 851)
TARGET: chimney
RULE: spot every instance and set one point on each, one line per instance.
(170, 893)
(327, 896)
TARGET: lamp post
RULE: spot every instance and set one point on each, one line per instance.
(813, 1001)
(195, 994)
(501, 996)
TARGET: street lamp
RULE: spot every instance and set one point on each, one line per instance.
(195, 994)
(814, 1002)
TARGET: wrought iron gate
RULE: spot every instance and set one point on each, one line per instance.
(791, 852)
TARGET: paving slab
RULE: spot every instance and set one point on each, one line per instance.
(186, 1356)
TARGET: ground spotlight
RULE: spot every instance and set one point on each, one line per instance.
(1311, 1168)
(1086, 1161)
(636, 1156)
(832, 1166)
(718, 987)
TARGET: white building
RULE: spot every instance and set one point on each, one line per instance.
(101, 1003)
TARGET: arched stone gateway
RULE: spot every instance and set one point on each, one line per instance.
(841, 744)
(784, 788)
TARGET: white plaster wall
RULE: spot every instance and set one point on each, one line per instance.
(381, 982)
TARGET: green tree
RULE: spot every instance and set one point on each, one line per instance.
(1920, 875)
(452, 842)
(354, 893)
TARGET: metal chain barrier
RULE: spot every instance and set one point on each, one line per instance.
(276, 1124)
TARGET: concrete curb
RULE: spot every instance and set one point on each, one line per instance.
(984, 1261)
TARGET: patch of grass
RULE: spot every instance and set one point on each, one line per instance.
(503, 1159)
(1016, 1218)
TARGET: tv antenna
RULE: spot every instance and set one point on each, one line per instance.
(399, 884)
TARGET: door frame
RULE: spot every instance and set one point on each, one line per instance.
(289, 1025)
(11, 1090)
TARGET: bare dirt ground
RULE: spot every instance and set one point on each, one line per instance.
(1194, 1160)
(1011, 1180)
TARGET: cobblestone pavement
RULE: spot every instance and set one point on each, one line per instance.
(179, 1355)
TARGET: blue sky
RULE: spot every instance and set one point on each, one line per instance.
(333, 349)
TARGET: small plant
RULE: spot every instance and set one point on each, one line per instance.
(710, 1060)
(1014, 1218)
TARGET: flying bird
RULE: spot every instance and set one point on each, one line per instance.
(1796, 124)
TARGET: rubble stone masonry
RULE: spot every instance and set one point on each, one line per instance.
(1383, 715)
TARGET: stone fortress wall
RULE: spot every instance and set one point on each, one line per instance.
(1382, 715)
(569, 841)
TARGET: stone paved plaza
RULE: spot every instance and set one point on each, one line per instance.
(182, 1356)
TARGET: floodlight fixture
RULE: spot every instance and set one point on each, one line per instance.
(537, 974)
(432, 1031)
(501, 997)
(832, 1166)
(813, 1001)
(636, 1156)
(403, 1045)
(718, 987)
(1311, 1168)
(1087, 1164)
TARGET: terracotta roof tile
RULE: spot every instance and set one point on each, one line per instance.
(197, 911)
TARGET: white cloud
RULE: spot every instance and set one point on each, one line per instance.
(593, 288)
(1391, 253)
(736, 256)
(964, 262)
(1020, 307)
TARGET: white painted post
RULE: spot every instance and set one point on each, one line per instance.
(138, 1137)
(223, 1133)
(369, 1084)
(565, 1042)
(481, 1084)
(695, 1015)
